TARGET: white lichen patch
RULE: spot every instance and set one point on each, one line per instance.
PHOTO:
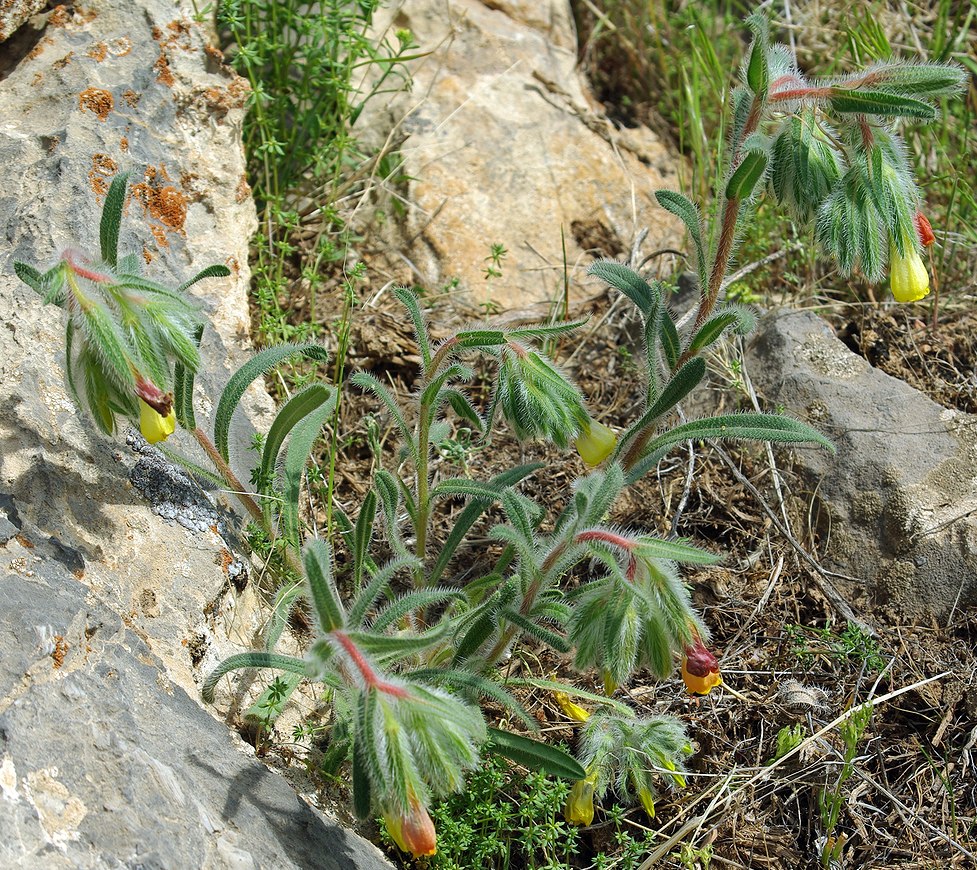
(58, 811)
(8, 780)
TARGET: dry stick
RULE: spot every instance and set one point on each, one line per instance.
(680, 835)
(821, 578)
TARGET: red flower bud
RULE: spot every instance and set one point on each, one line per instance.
(924, 229)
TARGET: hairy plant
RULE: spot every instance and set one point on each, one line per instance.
(408, 650)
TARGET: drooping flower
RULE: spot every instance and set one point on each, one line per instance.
(700, 670)
(908, 277)
(414, 832)
(579, 809)
(155, 427)
(571, 710)
(595, 443)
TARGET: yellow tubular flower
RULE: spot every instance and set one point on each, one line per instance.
(700, 670)
(595, 443)
(580, 804)
(571, 710)
(415, 832)
(908, 277)
(153, 425)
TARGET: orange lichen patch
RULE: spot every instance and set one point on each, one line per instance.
(164, 75)
(147, 255)
(131, 98)
(61, 63)
(234, 96)
(59, 16)
(124, 145)
(243, 189)
(96, 100)
(24, 541)
(98, 51)
(103, 168)
(164, 204)
(225, 559)
(37, 49)
(160, 235)
(120, 47)
(60, 650)
(214, 53)
(38, 78)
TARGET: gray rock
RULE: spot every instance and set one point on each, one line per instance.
(896, 508)
(116, 565)
(105, 763)
(13, 13)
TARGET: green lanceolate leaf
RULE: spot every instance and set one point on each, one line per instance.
(676, 551)
(317, 559)
(927, 80)
(214, 271)
(363, 536)
(481, 338)
(534, 755)
(461, 405)
(746, 176)
(50, 285)
(304, 436)
(544, 331)
(629, 282)
(412, 602)
(467, 488)
(757, 70)
(409, 300)
(295, 409)
(540, 632)
(250, 660)
(742, 319)
(670, 342)
(400, 645)
(742, 427)
(108, 229)
(362, 790)
(260, 364)
(685, 210)
(378, 585)
(882, 103)
(183, 389)
(473, 510)
(682, 383)
(104, 334)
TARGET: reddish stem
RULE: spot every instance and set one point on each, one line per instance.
(370, 677)
(71, 258)
(607, 537)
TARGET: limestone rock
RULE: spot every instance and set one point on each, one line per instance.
(897, 505)
(13, 13)
(106, 544)
(507, 147)
(104, 762)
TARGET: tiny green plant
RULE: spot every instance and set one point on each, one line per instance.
(408, 647)
(832, 799)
